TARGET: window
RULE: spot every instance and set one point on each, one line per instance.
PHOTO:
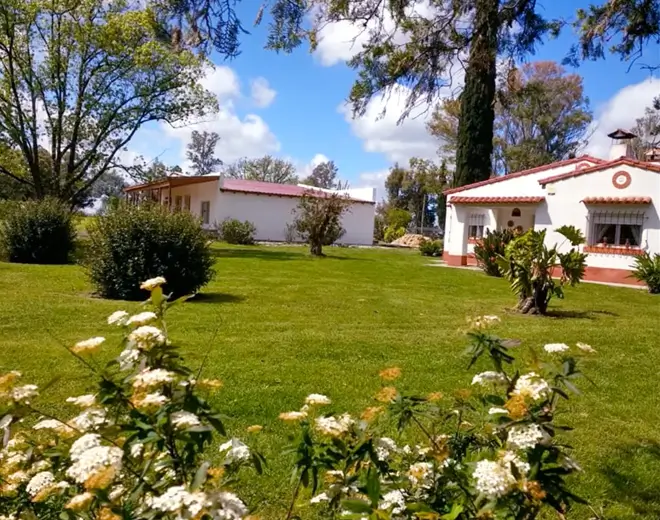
(177, 202)
(476, 225)
(186, 202)
(616, 228)
(206, 210)
(515, 212)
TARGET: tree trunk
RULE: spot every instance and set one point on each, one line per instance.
(475, 127)
(316, 249)
(535, 304)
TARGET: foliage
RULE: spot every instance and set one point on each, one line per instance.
(529, 265)
(379, 227)
(647, 130)
(392, 233)
(324, 175)
(265, 169)
(133, 243)
(143, 171)
(647, 270)
(489, 453)
(541, 116)
(431, 248)
(110, 184)
(397, 217)
(139, 448)
(38, 232)
(85, 77)
(490, 248)
(318, 220)
(200, 151)
(233, 231)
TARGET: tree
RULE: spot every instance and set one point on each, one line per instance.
(78, 80)
(541, 116)
(324, 175)
(143, 171)
(318, 220)
(265, 169)
(201, 152)
(647, 130)
(110, 184)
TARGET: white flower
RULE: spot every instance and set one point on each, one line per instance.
(321, 497)
(80, 501)
(152, 283)
(493, 479)
(136, 450)
(49, 424)
(84, 401)
(88, 345)
(94, 460)
(117, 318)
(420, 473)
(489, 377)
(523, 437)
(179, 500)
(531, 385)
(384, 447)
(556, 347)
(24, 393)
(317, 399)
(40, 482)
(18, 477)
(332, 426)
(293, 416)
(183, 419)
(497, 411)
(151, 400)
(41, 465)
(585, 348)
(509, 457)
(151, 378)
(147, 336)
(236, 451)
(229, 507)
(395, 500)
(142, 318)
(84, 443)
(116, 492)
(128, 358)
(89, 419)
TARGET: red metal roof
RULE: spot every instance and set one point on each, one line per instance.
(623, 161)
(617, 200)
(493, 180)
(271, 188)
(496, 200)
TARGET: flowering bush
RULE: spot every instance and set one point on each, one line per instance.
(139, 447)
(486, 454)
(491, 247)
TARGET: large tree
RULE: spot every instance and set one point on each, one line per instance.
(265, 169)
(324, 175)
(201, 152)
(541, 116)
(78, 80)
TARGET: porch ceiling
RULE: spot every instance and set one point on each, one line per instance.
(502, 201)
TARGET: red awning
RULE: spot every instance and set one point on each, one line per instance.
(617, 200)
(486, 201)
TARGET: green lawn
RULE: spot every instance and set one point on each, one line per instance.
(278, 325)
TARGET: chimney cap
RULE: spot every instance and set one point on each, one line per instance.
(621, 134)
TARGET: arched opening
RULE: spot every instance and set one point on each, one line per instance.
(515, 212)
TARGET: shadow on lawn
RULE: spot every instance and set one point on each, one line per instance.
(628, 470)
(580, 315)
(274, 254)
(216, 297)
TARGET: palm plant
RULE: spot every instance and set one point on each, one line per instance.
(537, 273)
(647, 270)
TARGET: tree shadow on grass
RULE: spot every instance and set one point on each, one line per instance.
(579, 315)
(627, 471)
(259, 253)
(216, 297)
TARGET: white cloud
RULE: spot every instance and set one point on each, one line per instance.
(621, 111)
(374, 180)
(304, 169)
(262, 94)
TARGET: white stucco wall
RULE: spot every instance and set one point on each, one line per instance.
(205, 191)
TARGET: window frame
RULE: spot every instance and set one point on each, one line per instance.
(187, 202)
(205, 215)
(617, 218)
(178, 202)
(478, 222)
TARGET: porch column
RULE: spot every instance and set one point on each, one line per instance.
(455, 252)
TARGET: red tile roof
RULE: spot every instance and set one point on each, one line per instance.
(617, 200)
(496, 200)
(271, 188)
(493, 180)
(623, 161)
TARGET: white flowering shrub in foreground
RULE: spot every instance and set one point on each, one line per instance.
(485, 454)
(137, 449)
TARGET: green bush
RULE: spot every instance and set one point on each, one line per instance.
(392, 233)
(234, 231)
(490, 248)
(647, 270)
(431, 248)
(130, 244)
(38, 232)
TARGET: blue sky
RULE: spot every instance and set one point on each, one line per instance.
(290, 105)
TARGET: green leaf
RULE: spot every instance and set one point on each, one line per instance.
(373, 487)
(217, 423)
(456, 509)
(356, 506)
(200, 476)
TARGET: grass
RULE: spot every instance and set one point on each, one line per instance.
(278, 325)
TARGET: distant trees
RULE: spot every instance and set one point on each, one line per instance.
(647, 130)
(318, 220)
(265, 169)
(143, 171)
(201, 152)
(324, 175)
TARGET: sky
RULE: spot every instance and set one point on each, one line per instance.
(293, 105)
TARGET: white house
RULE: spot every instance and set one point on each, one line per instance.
(615, 202)
(270, 207)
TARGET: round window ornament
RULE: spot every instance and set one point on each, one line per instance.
(510, 223)
(621, 180)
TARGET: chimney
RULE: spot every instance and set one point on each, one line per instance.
(621, 144)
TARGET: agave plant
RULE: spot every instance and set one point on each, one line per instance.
(647, 270)
(532, 268)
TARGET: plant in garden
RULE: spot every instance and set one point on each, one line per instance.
(133, 243)
(491, 247)
(392, 233)
(647, 270)
(318, 219)
(233, 231)
(529, 265)
(138, 447)
(431, 247)
(38, 232)
(487, 453)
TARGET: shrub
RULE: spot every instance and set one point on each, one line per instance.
(647, 270)
(133, 243)
(431, 248)
(392, 233)
(398, 218)
(490, 248)
(290, 233)
(38, 232)
(234, 231)
(318, 220)
(379, 228)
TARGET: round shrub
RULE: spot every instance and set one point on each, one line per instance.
(38, 232)
(431, 248)
(130, 244)
(234, 231)
(392, 233)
